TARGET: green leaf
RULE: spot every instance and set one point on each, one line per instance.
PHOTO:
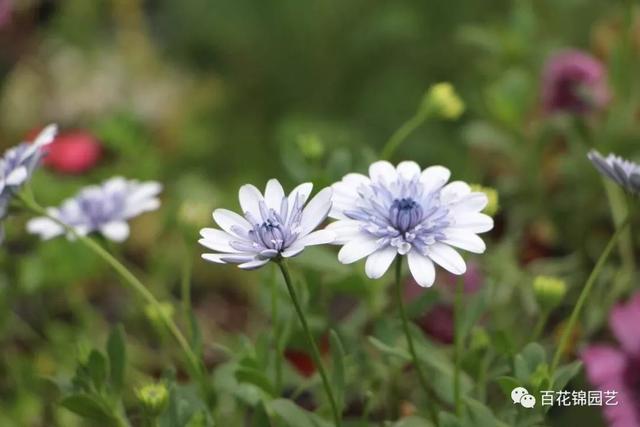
(480, 415)
(507, 384)
(337, 361)
(388, 350)
(97, 366)
(565, 373)
(295, 416)
(117, 351)
(88, 407)
(413, 422)
(255, 377)
(449, 420)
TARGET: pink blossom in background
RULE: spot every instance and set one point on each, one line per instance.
(5, 12)
(617, 367)
(574, 81)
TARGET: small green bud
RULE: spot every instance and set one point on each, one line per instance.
(153, 397)
(444, 101)
(493, 204)
(310, 145)
(549, 291)
(155, 314)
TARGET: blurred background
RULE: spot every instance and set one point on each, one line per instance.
(205, 95)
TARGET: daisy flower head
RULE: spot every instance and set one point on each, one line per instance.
(404, 210)
(104, 208)
(272, 225)
(624, 172)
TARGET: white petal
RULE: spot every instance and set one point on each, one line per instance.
(356, 179)
(217, 240)
(474, 202)
(45, 136)
(302, 192)
(44, 227)
(357, 249)
(316, 211)
(434, 177)
(473, 222)
(318, 237)
(252, 265)
(422, 269)
(454, 192)
(116, 231)
(293, 250)
(408, 169)
(447, 257)
(227, 220)
(464, 240)
(17, 176)
(273, 194)
(250, 198)
(378, 262)
(214, 258)
(345, 230)
(382, 171)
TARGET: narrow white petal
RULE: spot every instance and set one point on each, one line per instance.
(117, 231)
(218, 241)
(422, 269)
(473, 222)
(318, 237)
(17, 176)
(382, 171)
(464, 240)
(473, 202)
(227, 220)
(345, 230)
(301, 192)
(252, 265)
(434, 177)
(273, 194)
(316, 211)
(293, 250)
(45, 228)
(356, 179)
(447, 257)
(454, 192)
(357, 249)
(378, 262)
(46, 136)
(250, 198)
(214, 258)
(408, 169)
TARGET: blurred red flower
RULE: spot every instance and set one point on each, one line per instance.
(73, 152)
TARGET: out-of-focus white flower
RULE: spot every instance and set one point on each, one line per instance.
(273, 225)
(624, 172)
(18, 164)
(407, 211)
(104, 208)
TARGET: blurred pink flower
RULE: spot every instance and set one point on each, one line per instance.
(74, 152)
(5, 12)
(575, 82)
(617, 369)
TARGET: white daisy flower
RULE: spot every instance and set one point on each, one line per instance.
(104, 208)
(407, 211)
(272, 226)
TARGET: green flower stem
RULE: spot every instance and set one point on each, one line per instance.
(457, 343)
(276, 335)
(402, 133)
(414, 356)
(314, 348)
(542, 322)
(196, 367)
(568, 330)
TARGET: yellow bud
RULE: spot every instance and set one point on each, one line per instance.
(549, 291)
(493, 204)
(444, 101)
(153, 397)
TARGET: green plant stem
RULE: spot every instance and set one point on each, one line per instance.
(195, 367)
(314, 348)
(540, 324)
(403, 132)
(414, 356)
(568, 330)
(457, 343)
(276, 335)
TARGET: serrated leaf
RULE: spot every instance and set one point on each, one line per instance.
(337, 362)
(117, 352)
(88, 407)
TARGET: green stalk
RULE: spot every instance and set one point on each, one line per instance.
(414, 356)
(542, 322)
(276, 335)
(568, 330)
(403, 133)
(132, 281)
(314, 348)
(457, 343)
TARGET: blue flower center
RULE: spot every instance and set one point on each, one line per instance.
(405, 214)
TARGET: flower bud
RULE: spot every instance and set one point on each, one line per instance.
(493, 204)
(442, 99)
(549, 291)
(155, 314)
(153, 397)
(311, 146)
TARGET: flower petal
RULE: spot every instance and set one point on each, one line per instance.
(118, 231)
(252, 265)
(422, 269)
(45, 228)
(473, 222)
(464, 240)
(382, 171)
(357, 249)
(344, 230)
(408, 169)
(378, 262)
(228, 221)
(447, 257)
(623, 321)
(273, 194)
(316, 211)
(250, 198)
(434, 177)
(318, 237)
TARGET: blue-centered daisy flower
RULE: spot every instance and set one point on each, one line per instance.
(624, 172)
(18, 164)
(104, 208)
(272, 225)
(407, 211)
